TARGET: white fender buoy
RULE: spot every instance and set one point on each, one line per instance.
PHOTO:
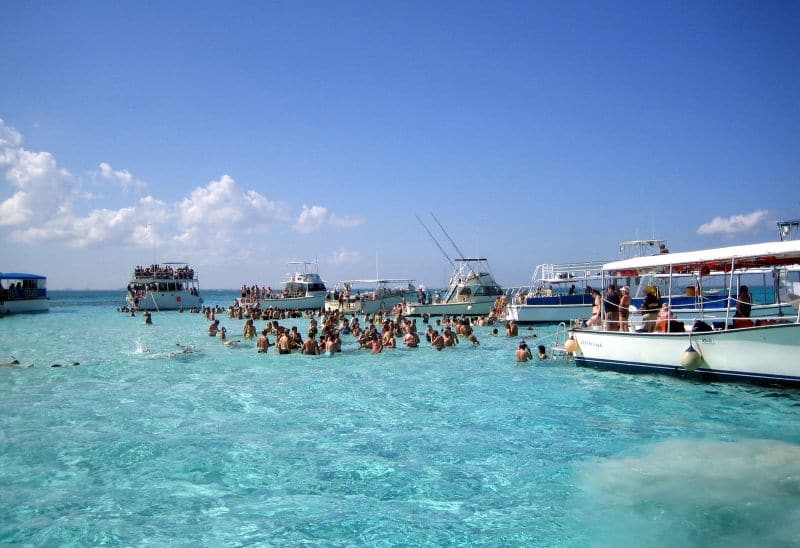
(571, 345)
(691, 358)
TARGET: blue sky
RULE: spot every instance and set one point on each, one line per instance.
(239, 136)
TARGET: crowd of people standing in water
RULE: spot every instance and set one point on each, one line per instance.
(373, 333)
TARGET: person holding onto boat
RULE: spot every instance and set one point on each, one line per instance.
(523, 353)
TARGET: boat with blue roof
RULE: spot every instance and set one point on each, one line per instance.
(22, 293)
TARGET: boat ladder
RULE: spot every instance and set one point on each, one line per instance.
(560, 336)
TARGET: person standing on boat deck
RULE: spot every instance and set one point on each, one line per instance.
(744, 303)
(598, 299)
(523, 353)
(624, 308)
(572, 290)
(611, 307)
(650, 308)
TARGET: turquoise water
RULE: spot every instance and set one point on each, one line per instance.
(225, 446)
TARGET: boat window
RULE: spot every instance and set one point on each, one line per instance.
(316, 287)
(465, 291)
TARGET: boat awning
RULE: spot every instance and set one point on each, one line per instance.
(20, 276)
(721, 259)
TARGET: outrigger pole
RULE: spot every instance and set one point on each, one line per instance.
(449, 260)
(454, 245)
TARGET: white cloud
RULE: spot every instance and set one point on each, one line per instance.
(344, 256)
(120, 177)
(44, 189)
(734, 224)
(316, 217)
(311, 219)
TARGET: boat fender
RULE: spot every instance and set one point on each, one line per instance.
(691, 359)
(571, 345)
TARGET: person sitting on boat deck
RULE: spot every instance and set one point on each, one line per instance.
(571, 290)
(664, 317)
(437, 298)
(595, 319)
(624, 308)
(650, 308)
(542, 352)
(523, 353)
(744, 304)
(611, 308)
(213, 328)
(511, 329)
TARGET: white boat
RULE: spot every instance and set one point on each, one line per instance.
(561, 292)
(164, 286)
(22, 293)
(472, 292)
(765, 350)
(303, 289)
(370, 296)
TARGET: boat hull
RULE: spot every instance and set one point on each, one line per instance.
(166, 300)
(25, 306)
(526, 313)
(309, 302)
(479, 308)
(767, 354)
(369, 306)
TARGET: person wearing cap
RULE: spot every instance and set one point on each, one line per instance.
(523, 352)
(624, 308)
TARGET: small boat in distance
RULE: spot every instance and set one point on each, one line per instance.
(370, 296)
(763, 350)
(22, 293)
(164, 286)
(303, 289)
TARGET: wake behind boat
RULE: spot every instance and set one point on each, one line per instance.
(22, 293)
(164, 286)
(764, 350)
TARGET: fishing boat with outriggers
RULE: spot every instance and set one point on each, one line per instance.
(22, 293)
(370, 296)
(303, 289)
(472, 289)
(561, 292)
(762, 350)
(164, 286)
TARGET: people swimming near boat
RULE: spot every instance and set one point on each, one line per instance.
(148, 319)
(511, 329)
(523, 353)
(541, 352)
(213, 329)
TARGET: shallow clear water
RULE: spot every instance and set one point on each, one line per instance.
(409, 447)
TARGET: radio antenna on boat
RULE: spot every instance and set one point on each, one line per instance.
(449, 260)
